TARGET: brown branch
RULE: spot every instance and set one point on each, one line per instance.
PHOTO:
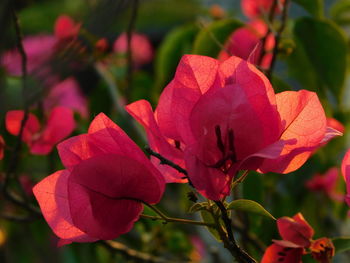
(165, 161)
(130, 64)
(135, 255)
(278, 38)
(230, 243)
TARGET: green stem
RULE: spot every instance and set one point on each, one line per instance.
(177, 220)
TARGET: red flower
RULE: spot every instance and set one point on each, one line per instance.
(246, 43)
(2, 147)
(257, 8)
(59, 125)
(326, 183)
(66, 28)
(141, 48)
(100, 194)
(345, 169)
(297, 237)
(224, 116)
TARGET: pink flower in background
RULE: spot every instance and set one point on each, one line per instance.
(345, 169)
(326, 183)
(246, 43)
(66, 28)
(39, 50)
(257, 8)
(210, 113)
(67, 94)
(297, 237)
(141, 48)
(100, 194)
(41, 140)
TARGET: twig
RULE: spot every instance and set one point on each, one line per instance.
(270, 19)
(177, 220)
(250, 237)
(165, 161)
(135, 255)
(15, 158)
(130, 65)
(278, 38)
(230, 243)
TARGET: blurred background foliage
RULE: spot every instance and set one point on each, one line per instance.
(313, 55)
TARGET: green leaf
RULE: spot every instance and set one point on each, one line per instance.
(325, 47)
(210, 39)
(314, 7)
(197, 207)
(249, 206)
(177, 43)
(340, 12)
(208, 218)
(341, 244)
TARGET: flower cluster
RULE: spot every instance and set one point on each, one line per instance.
(297, 240)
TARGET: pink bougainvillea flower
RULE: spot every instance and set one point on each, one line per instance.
(257, 8)
(224, 117)
(142, 112)
(345, 169)
(2, 147)
(246, 43)
(141, 48)
(41, 140)
(39, 50)
(100, 194)
(66, 28)
(297, 237)
(326, 183)
(67, 94)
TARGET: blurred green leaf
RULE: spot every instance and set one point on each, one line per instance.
(253, 187)
(341, 244)
(325, 47)
(340, 12)
(208, 218)
(249, 206)
(314, 7)
(211, 39)
(177, 43)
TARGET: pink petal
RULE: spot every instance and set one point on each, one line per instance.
(76, 149)
(142, 112)
(106, 191)
(67, 94)
(194, 76)
(257, 8)
(51, 194)
(38, 48)
(333, 123)
(60, 124)
(259, 94)
(230, 108)
(13, 124)
(141, 48)
(209, 182)
(304, 121)
(296, 230)
(277, 254)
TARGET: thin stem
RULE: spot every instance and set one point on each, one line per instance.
(177, 220)
(134, 255)
(278, 38)
(271, 18)
(165, 161)
(240, 179)
(231, 244)
(130, 65)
